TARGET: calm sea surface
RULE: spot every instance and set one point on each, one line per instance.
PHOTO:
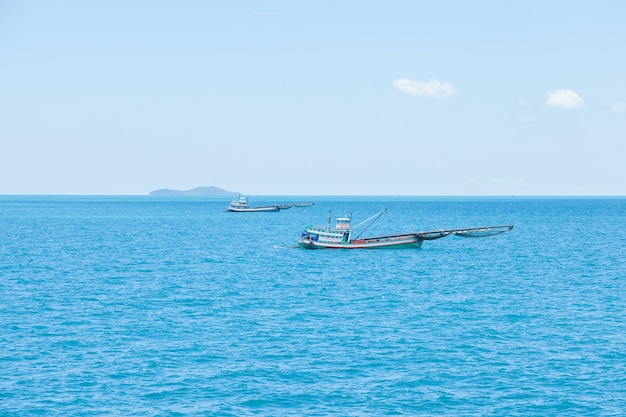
(172, 306)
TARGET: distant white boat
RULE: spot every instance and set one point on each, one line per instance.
(241, 205)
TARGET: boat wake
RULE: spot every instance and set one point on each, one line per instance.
(286, 247)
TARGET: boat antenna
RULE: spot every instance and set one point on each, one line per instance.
(372, 220)
(330, 216)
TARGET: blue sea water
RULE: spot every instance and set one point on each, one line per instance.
(141, 306)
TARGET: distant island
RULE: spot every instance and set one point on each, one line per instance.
(198, 191)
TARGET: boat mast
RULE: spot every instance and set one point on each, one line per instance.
(330, 216)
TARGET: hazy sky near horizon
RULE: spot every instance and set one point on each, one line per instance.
(313, 98)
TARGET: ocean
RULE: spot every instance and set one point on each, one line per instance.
(155, 306)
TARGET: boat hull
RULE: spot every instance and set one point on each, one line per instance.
(412, 242)
(253, 209)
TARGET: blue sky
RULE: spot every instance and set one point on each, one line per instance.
(313, 98)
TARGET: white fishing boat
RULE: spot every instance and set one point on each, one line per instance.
(341, 236)
(241, 205)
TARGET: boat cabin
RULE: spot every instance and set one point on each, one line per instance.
(343, 223)
(340, 234)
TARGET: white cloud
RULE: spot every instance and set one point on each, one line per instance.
(565, 98)
(619, 107)
(431, 88)
(526, 119)
(495, 180)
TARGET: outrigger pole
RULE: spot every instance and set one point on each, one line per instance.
(484, 231)
(373, 220)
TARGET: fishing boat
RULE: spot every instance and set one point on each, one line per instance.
(241, 205)
(342, 235)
